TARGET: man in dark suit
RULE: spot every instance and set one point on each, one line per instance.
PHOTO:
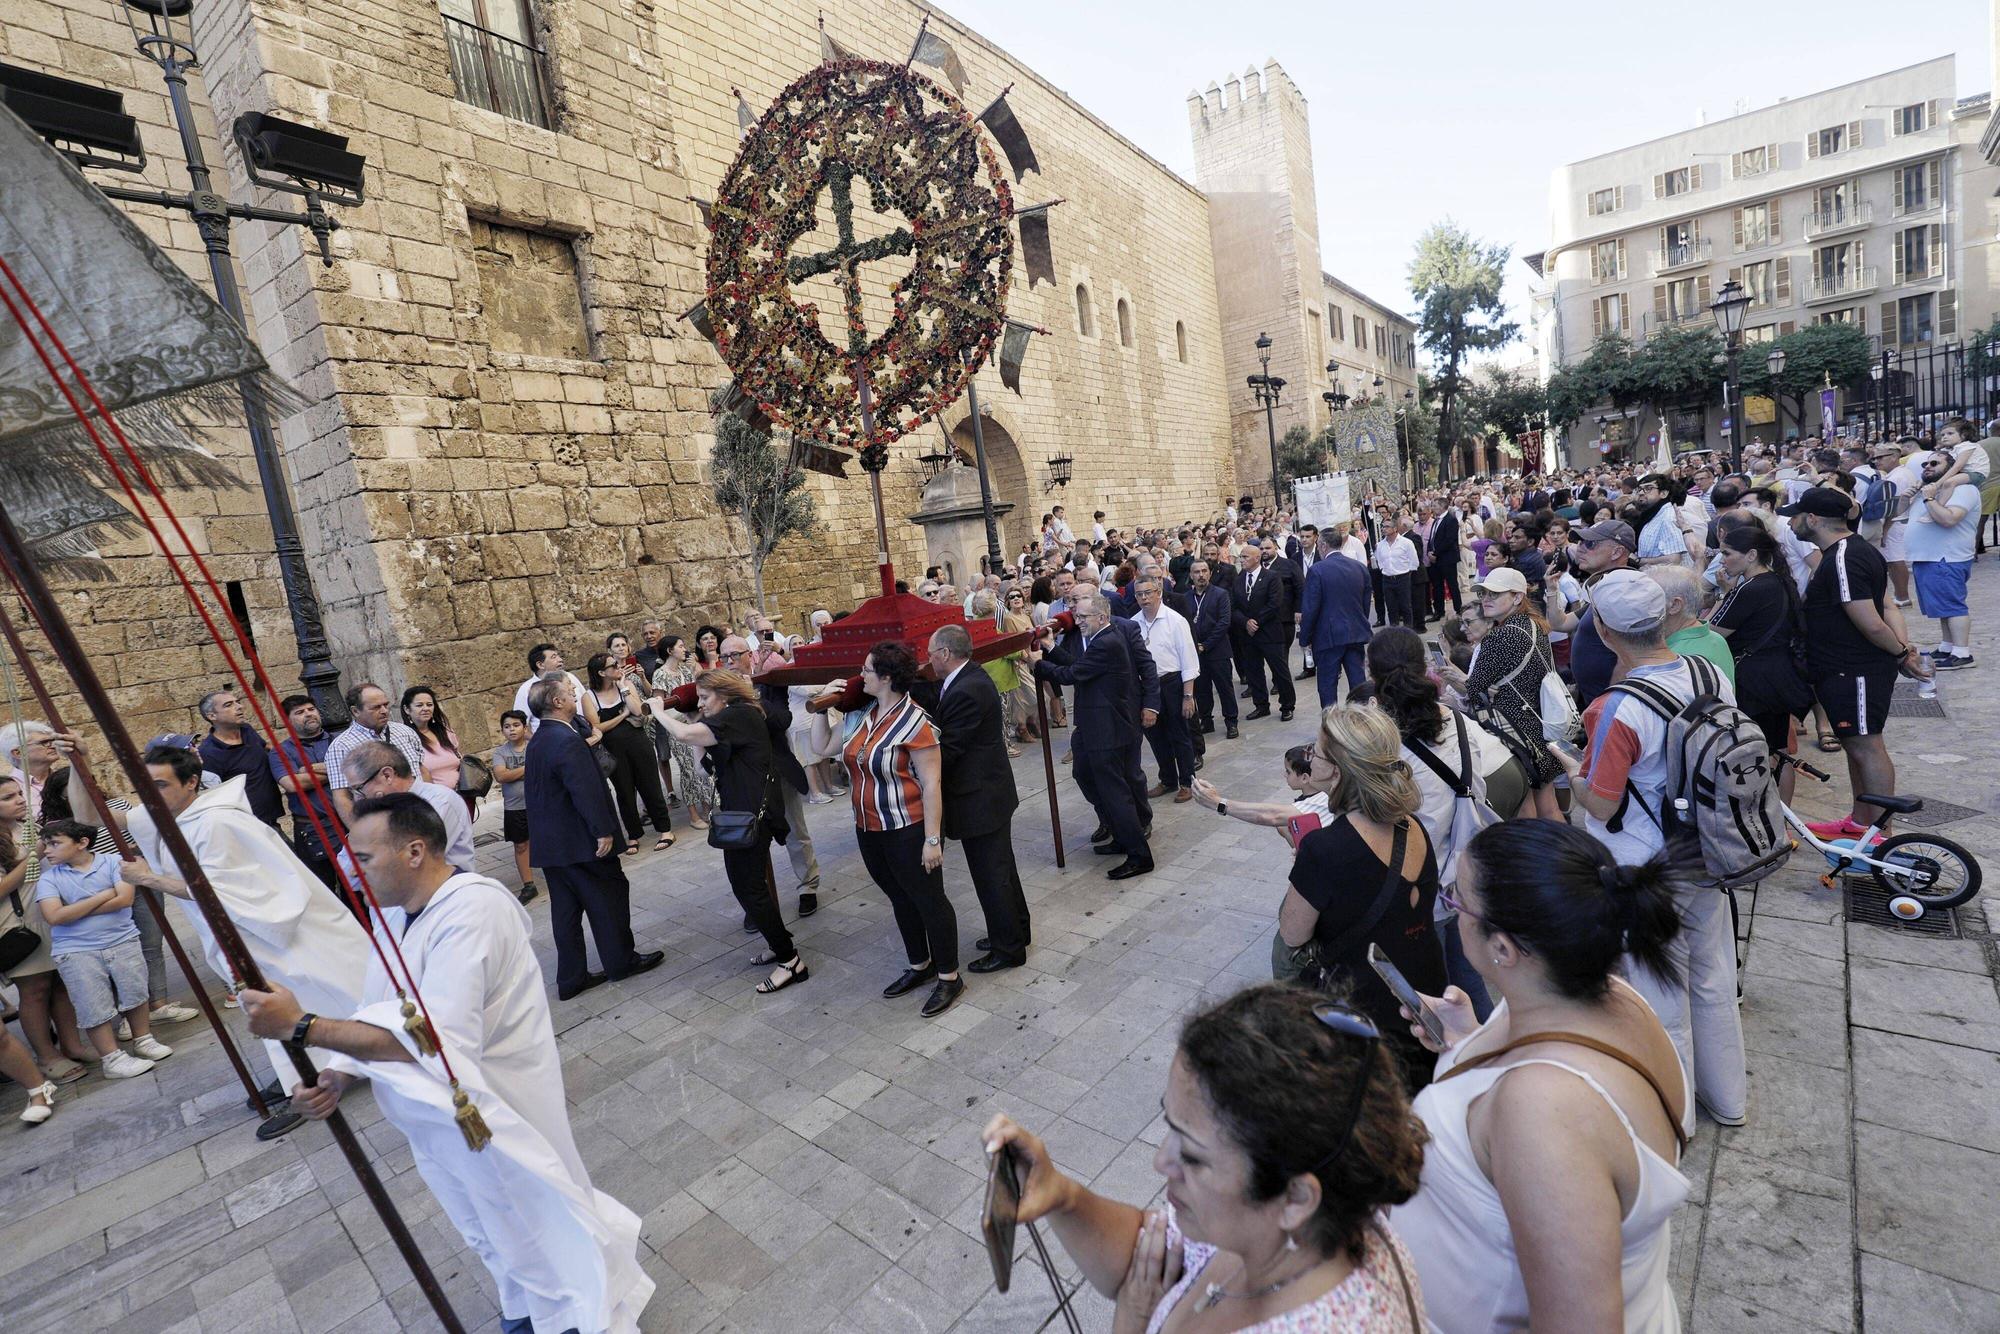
(1265, 614)
(1292, 573)
(1211, 612)
(1113, 707)
(1373, 520)
(1334, 620)
(1442, 555)
(978, 791)
(572, 830)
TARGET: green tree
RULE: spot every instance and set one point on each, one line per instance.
(1301, 453)
(1982, 352)
(1457, 282)
(763, 488)
(1815, 356)
(1503, 398)
(1680, 364)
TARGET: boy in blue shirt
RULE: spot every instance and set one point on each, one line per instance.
(96, 946)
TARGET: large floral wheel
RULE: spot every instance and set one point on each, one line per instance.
(848, 126)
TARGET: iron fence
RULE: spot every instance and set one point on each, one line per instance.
(498, 73)
(1918, 387)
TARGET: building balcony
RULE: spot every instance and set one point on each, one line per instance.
(1692, 255)
(1821, 222)
(1841, 286)
(498, 73)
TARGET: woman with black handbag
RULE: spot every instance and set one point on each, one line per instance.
(749, 812)
(890, 750)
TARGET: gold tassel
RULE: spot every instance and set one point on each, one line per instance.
(419, 1029)
(470, 1123)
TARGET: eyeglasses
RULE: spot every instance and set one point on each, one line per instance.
(1352, 1023)
(1452, 904)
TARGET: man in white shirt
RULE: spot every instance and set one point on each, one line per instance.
(1396, 558)
(1908, 479)
(543, 659)
(1097, 526)
(562, 1254)
(1170, 641)
(377, 769)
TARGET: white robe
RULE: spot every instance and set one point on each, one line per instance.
(562, 1253)
(294, 927)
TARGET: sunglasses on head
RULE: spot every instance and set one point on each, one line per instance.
(1350, 1022)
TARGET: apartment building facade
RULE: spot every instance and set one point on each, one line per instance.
(1373, 348)
(1848, 205)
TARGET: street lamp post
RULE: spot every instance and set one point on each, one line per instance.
(278, 155)
(1266, 387)
(1729, 307)
(1879, 373)
(1774, 362)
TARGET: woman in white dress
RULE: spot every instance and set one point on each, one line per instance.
(1552, 1172)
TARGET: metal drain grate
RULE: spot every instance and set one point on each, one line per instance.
(1867, 905)
(1935, 813)
(1907, 703)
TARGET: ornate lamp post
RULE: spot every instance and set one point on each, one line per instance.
(1267, 387)
(1729, 307)
(1774, 362)
(1879, 373)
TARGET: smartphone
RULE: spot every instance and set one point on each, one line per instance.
(1568, 748)
(1298, 826)
(1437, 655)
(1407, 994)
(1000, 1214)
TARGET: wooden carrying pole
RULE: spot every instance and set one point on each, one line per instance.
(76, 663)
(129, 852)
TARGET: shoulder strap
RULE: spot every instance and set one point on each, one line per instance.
(1358, 932)
(1461, 782)
(1522, 665)
(1593, 1044)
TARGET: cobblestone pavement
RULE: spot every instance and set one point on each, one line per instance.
(811, 1161)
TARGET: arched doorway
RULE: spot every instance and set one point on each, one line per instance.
(1009, 478)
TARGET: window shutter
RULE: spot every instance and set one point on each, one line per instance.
(1812, 145)
(1861, 318)
(1617, 197)
(1770, 157)
(1785, 327)
(1624, 316)
(1897, 127)
(1694, 177)
(1736, 276)
(1900, 258)
(1596, 275)
(1621, 259)
(1736, 166)
(1933, 113)
(1934, 192)
(1694, 233)
(1889, 330)
(1660, 186)
(1781, 283)
(1597, 318)
(1736, 221)
(1937, 250)
(1659, 303)
(1853, 134)
(1947, 314)
(1701, 296)
(1663, 245)
(1771, 214)
(1896, 190)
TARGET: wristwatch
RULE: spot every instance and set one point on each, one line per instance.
(933, 842)
(1222, 808)
(302, 1028)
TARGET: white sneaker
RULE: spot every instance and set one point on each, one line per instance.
(124, 1030)
(152, 1048)
(124, 1065)
(175, 1013)
(37, 1112)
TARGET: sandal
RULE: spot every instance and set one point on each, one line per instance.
(65, 1071)
(795, 971)
(665, 841)
(697, 822)
(631, 849)
(1829, 743)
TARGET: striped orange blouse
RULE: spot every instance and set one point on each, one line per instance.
(881, 775)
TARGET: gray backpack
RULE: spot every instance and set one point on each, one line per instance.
(1722, 788)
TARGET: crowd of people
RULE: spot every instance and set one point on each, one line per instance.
(1501, 913)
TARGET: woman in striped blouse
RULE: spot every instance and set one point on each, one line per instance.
(890, 749)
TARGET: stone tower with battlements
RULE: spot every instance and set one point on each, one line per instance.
(1253, 159)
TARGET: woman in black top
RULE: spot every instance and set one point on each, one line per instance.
(1341, 869)
(736, 739)
(1761, 619)
(635, 773)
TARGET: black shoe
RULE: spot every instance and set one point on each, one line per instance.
(1232, 733)
(1284, 715)
(907, 981)
(589, 980)
(1110, 849)
(1244, 693)
(1100, 834)
(1199, 760)
(983, 944)
(943, 996)
(282, 1121)
(993, 961)
(749, 927)
(1128, 868)
(1306, 675)
(643, 963)
(1207, 726)
(526, 893)
(808, 904)
(1261, 711)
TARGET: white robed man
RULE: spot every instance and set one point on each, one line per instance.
(563, 1255)
(296, 930)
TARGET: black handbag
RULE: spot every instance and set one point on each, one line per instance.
(17, 942)
(475, 776)
(737, 831)
(1316, 965)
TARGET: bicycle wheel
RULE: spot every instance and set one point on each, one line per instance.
(1934, 871)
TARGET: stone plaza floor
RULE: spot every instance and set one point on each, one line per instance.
(811, 1161)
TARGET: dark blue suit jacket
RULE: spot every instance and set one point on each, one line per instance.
(569, 806)
(1114, 679)
(1209, 616)
(1336, 604)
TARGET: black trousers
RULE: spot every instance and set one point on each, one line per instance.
(1276, 655)
(1114, 785)
(597, 890)
(1216, 682)
(1171, 737)
(1377, 588)
(997, 881)
(1396, 598)
(749, 871)
(924, 915)
(1444, 579)
(636, 778)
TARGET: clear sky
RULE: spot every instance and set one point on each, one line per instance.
(1423, 109)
